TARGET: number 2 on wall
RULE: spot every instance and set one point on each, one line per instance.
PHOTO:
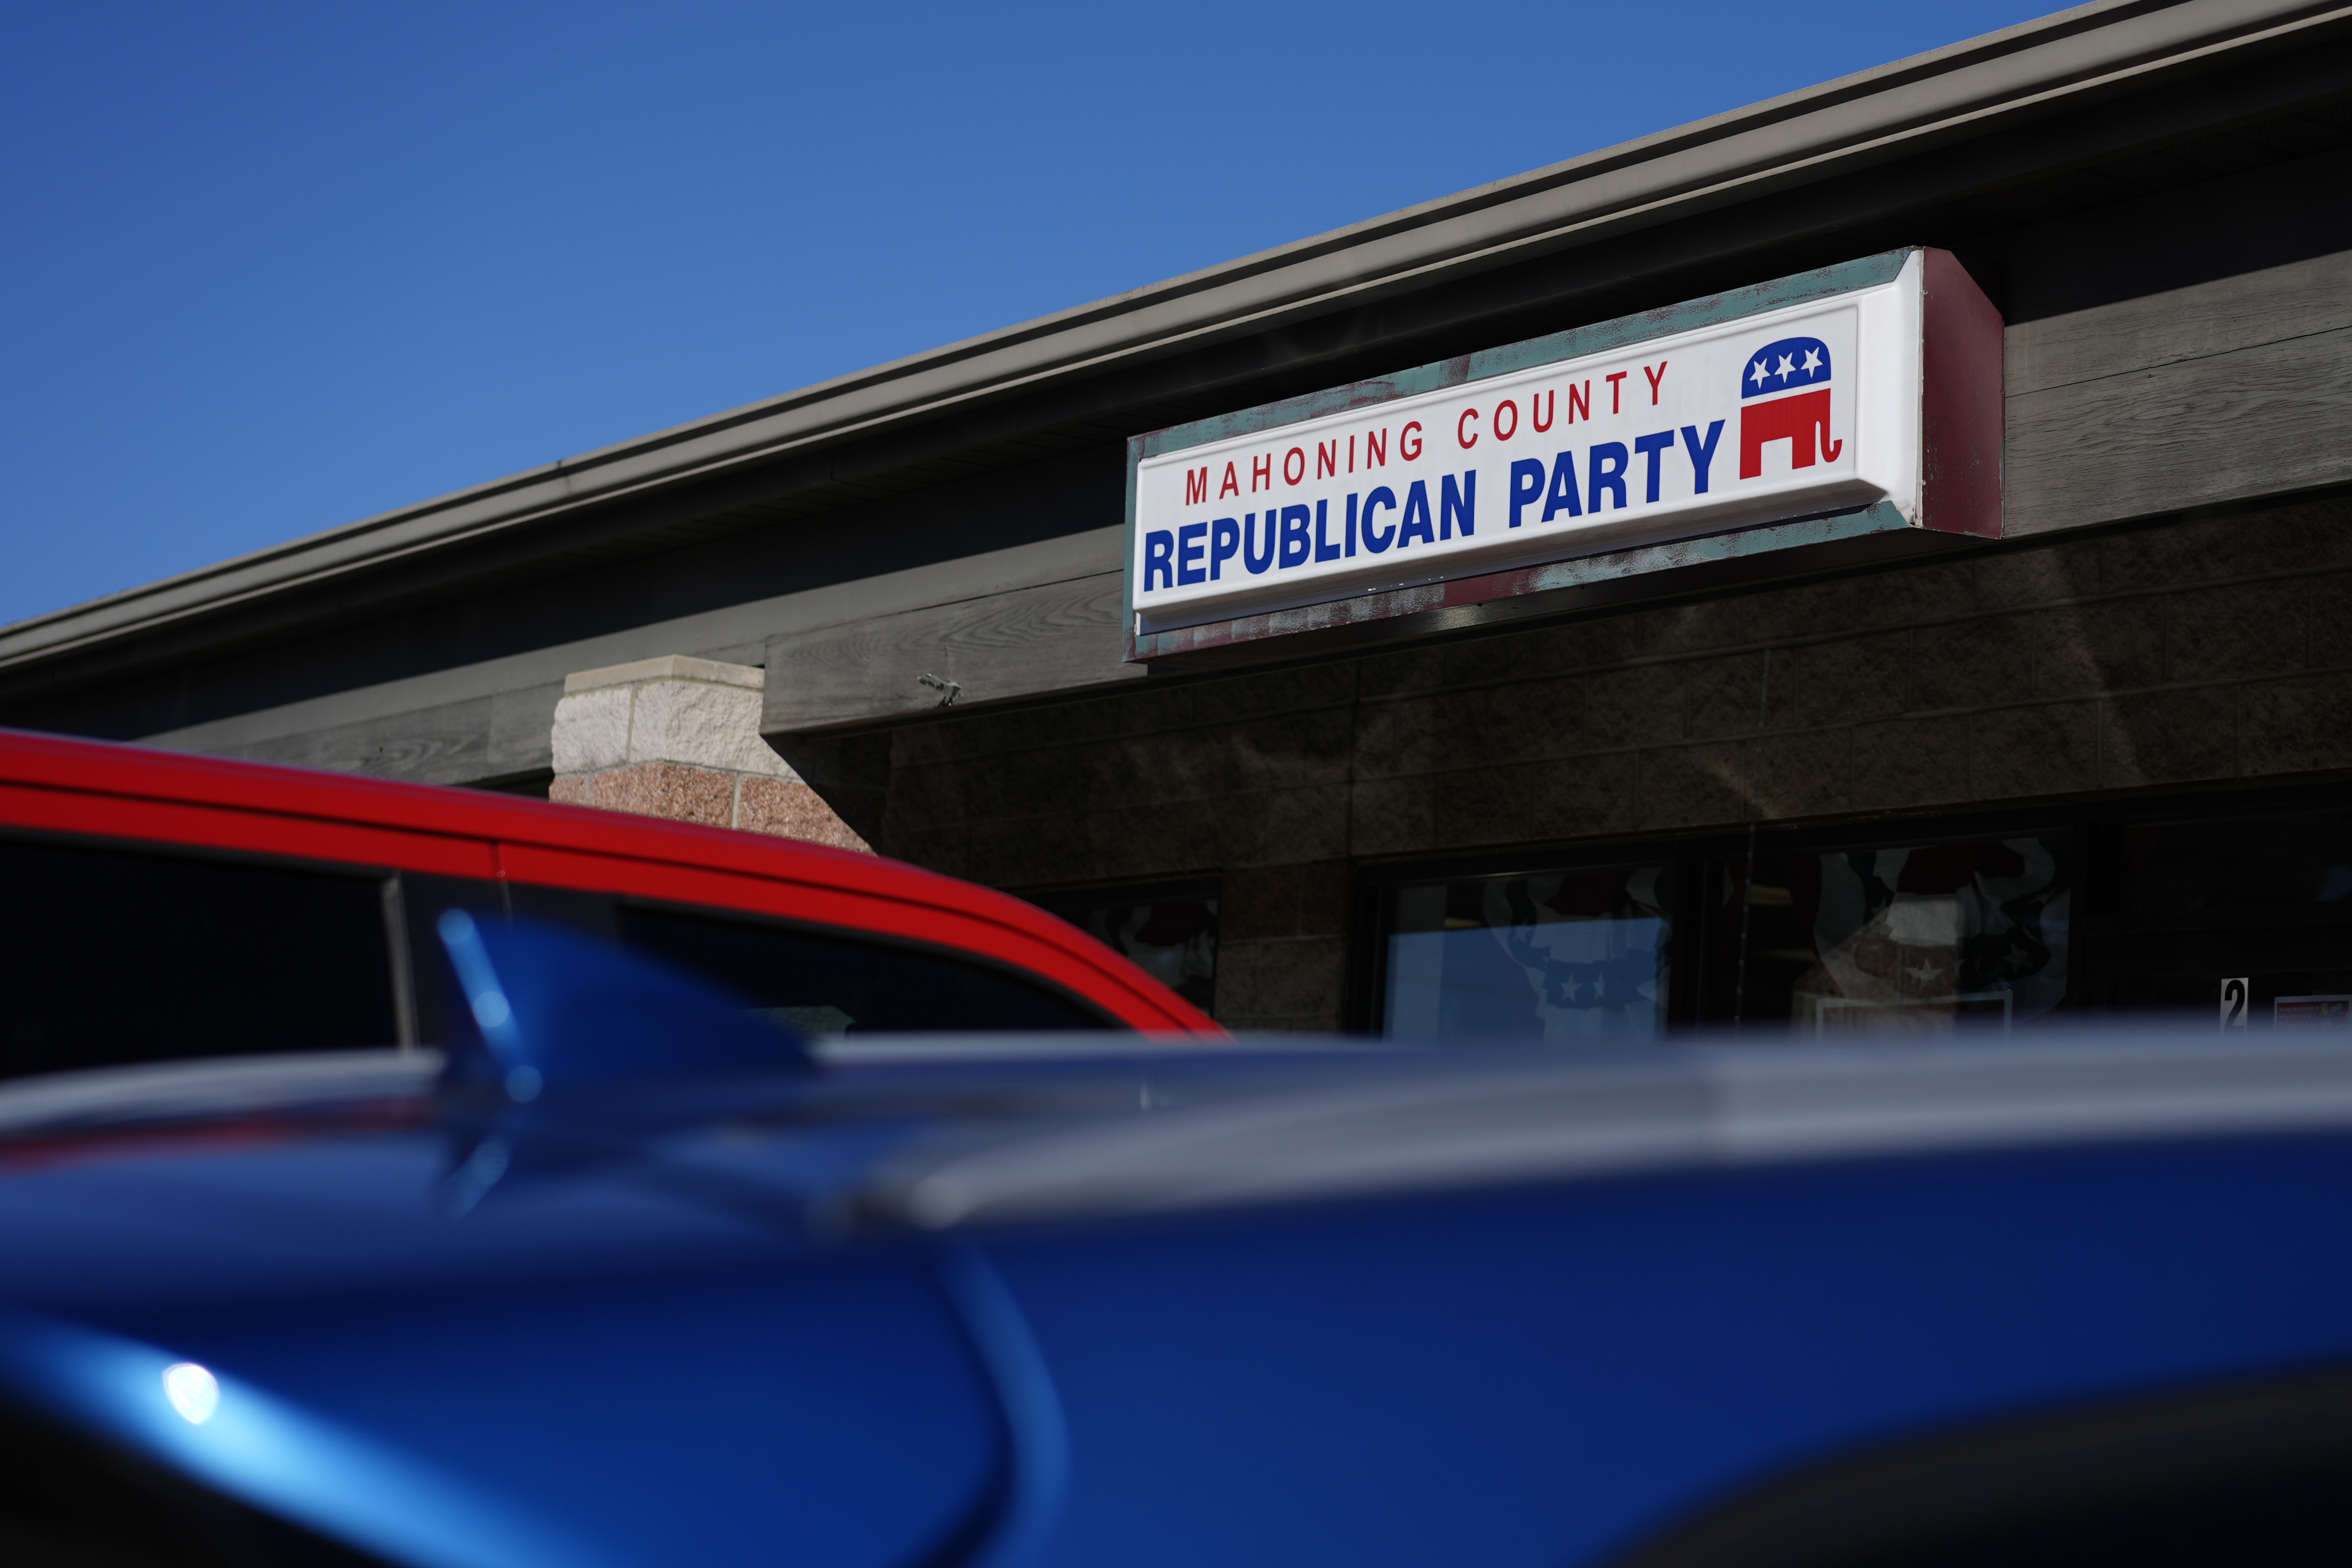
(2233, 1004)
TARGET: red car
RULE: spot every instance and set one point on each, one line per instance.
(157, 905)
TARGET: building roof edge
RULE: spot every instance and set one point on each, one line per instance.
(1807, 133)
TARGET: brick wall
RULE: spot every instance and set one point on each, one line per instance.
(2173, 655)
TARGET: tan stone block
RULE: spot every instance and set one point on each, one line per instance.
(1807, 774)
(1532, 718)
(1299, 978)
(1391, 816)
(2303, 538)
(2007, 578)
(946, 850)
(1388, 674)
(1325, 898)
(927, 797)
(2169, 556)
(1296, 824)
(1910, 596)
(1292, 750)
(707, 724)
(1262, 903)
(2300, 725)
(2085, 650)
(1016, 854)
(1482, 805)
(1580, 797)
(1258, 903)
(1729, 696)
(679, 709)
(1586, 645)
(669, 667)
(1397, 736)
(1258, 695)
(1696, 786)
(1972, 663)
(1638, 705)
(2049, 748)
(1858, 678)
(1477, 661)
(2246, 629)
(590, 730)
(1735, 620)
(2331, 622)
(1914, 761)
(2164, 737)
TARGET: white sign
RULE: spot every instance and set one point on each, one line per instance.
(1788, 412)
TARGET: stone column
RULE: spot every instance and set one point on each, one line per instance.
(679, 736)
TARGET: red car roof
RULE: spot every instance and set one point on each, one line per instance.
(102, 788)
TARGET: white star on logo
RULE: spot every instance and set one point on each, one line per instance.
(1788, 366)
(1812, 361)
(1758, 369)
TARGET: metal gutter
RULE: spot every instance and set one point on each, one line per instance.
(1803, 136)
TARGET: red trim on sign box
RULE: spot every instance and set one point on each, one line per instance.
(1962, 393)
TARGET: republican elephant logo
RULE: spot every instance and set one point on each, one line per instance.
(1794, 374)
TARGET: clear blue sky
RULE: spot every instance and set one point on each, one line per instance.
(271, 269)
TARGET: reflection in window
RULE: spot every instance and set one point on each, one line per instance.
(110, 956)
(839, 983)
(1919, 939)
(1171, 932)
(2281, 862)
(1564, 956)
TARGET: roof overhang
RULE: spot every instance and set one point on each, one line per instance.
(2001, 80)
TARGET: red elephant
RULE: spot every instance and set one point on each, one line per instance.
(1797, 420)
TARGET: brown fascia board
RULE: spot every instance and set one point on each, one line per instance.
(1963, 89)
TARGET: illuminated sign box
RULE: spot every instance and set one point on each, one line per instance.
(1871, 390)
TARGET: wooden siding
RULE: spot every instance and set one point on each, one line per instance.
(2223, 393)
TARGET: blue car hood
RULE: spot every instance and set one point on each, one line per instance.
(1230, 1307)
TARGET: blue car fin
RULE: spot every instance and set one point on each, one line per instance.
(548, 1010)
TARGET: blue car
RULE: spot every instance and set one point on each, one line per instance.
(627, 1276)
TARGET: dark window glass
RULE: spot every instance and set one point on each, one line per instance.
(845, 985)
(1561, 956)
(2235, 923)
(1171, 932)
(2299, 863)
(2294, 981)
(424, 900)
(1918, 937)
(111, 955)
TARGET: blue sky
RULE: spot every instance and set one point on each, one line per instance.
(271, 269)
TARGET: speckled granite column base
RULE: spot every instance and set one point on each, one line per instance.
(785, 808)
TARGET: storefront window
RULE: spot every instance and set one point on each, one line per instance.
(1921, 939)
(2183, 915)
(1171, 932)
(1559, 956)
(2288, 863)
(2244, 921)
